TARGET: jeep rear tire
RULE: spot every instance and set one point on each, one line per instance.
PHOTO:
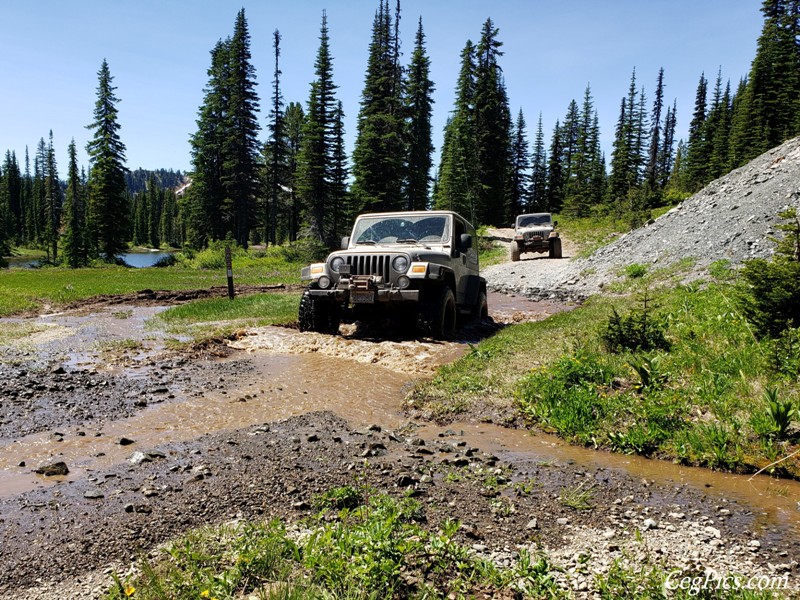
(555, 248)
(514, 251)
(437, 314)
(318, 314)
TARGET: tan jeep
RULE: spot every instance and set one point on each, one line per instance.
(535, 232)
(417, 264)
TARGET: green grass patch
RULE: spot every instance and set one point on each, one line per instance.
(11, 332)
(373, 548)
(220, 316)
(713, 396)
(30, 289)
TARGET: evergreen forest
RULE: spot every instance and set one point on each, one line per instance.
(288, 176)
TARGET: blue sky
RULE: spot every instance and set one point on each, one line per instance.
(159, 51)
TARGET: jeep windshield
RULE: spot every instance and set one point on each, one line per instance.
(401, 229)
(533, 221)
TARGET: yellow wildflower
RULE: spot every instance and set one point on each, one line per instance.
(130, 591)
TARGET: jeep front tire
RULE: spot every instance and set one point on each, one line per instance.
(437, 314)
(318, 314)
(515, 251)
(555, 247)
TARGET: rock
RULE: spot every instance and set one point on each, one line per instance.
(712, 532)
(754, 544)
(649, 524)
(301, 505)
(51, 470)
(93, 494)
(406, 480)
(562, 521)
(138, 458)
(532, 524)
(123, 441)
(312, 438)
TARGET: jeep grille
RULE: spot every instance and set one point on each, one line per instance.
(370, 264)
(542, 233)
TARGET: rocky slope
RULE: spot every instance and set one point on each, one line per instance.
(732, 218)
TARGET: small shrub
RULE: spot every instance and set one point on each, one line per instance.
(784, 353)
(634, 331)
(636, 270)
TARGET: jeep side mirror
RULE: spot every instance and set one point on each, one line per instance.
(555, 223)
(345, 242)
(465, 243)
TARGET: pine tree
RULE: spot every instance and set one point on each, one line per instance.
(458, 182)
(74, 249)
(419, 108)
(555, 172)
(718, 129)
(342, 213)
(492, 128)
(584, 173)
(276, 145)
(667, 152)
(108, 212)
(11, 194)
(698, 152)
(519, 193)
(154, 201)
(53, 202)
(205, 196)
(651, 170)
(294, 118)
(240, 177)
(380, 148)
(538, 191)
(315, 162)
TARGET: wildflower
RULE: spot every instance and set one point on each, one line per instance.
(204, 594)
(130, 591)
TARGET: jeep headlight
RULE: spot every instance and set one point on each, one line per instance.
(400, 264)
(337, 262)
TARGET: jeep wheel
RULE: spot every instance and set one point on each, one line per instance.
(437, 315)
(555, 248)
(481, 311)
(514, 251)
(318, 314)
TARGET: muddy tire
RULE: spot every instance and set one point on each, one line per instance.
(437, 314)
(318, 314)
(555, 248)
(481, 310)
(514, 251)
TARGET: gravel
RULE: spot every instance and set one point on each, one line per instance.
(732, 218)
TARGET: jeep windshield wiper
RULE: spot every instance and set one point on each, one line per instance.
(407, 241)
(365, 242)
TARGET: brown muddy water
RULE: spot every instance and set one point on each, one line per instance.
(284, 384)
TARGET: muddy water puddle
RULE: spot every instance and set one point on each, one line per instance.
(277, 388)
(774, 502)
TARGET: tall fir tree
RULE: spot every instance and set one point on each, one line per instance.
(698, 151)
(108, 202)
(74, 248)
(419, 109)
(651, 170)
(240, 177)
(343, 214)
(492, 128)
(205, 196)
(666, 153)
(380, 147)
(294, 118)
(555, 172)
(519, 180)
(538, 189)
(276, 146)
(458, 178)
(315, 161)
(53, 202)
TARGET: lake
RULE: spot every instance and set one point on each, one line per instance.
(136, 260)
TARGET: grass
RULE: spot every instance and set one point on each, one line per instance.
(216, 317)
(717, 397)
(372, 547)
(29, 289)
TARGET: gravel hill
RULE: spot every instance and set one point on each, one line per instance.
(731, 218)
